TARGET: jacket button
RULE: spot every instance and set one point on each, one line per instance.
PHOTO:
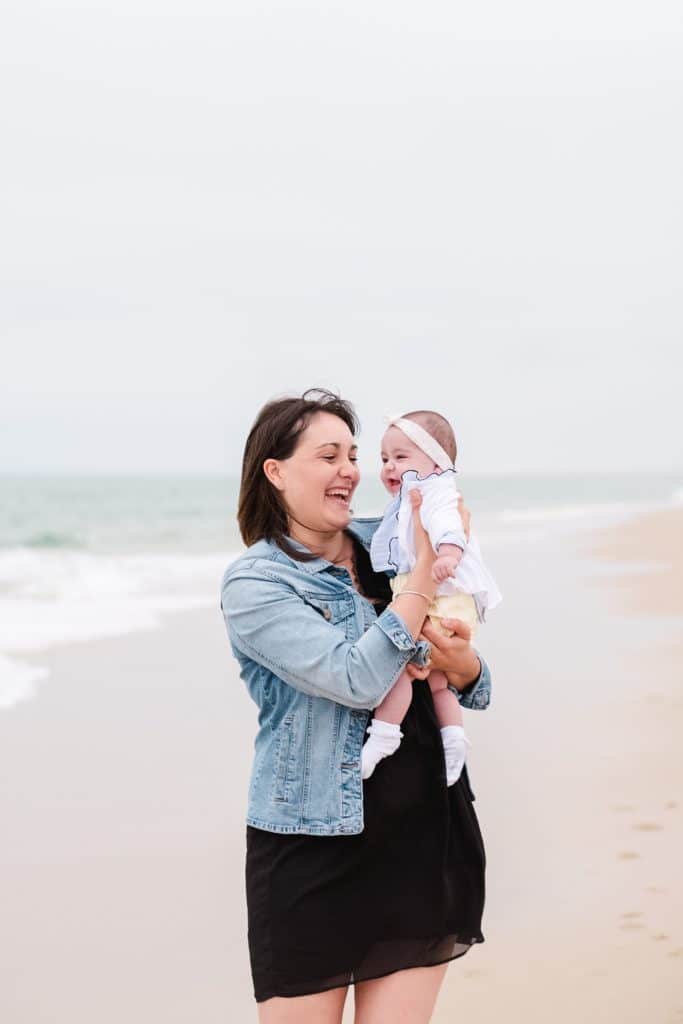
(327, 613)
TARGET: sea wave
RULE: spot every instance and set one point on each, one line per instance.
(17, 681)
(51, 597)
(589, 514)
(50, 540)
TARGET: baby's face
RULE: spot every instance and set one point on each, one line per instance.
(399, 454)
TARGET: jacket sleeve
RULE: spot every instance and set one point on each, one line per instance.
(476, 695)
(271, 624)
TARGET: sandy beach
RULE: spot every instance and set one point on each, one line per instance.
(123, 791)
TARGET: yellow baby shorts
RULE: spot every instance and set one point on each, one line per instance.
(449, 606)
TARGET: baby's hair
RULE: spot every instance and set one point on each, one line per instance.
(439, 428)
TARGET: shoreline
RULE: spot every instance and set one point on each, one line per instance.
(649, 553)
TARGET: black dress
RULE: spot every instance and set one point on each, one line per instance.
(408, 891)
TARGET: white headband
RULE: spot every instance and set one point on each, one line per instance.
(419, 436)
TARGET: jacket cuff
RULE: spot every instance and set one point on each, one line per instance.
(396, 630)
(421, 656)
(476, 695)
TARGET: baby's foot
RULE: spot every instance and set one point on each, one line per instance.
(385, 738)
(454, 749)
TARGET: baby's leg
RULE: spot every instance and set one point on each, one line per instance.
(449, 715)
(384, 733)
(446, 704)
(394, 706)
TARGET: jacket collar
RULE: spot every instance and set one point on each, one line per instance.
(361, 529)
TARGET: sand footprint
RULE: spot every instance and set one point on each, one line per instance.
(659, 936)
(627, 855)
(671, 804)
(647, 826)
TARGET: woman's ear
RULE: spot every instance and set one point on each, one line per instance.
(272, 471)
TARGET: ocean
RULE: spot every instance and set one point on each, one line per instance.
(88, 557)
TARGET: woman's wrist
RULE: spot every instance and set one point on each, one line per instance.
(469, 673)
(422, 580)
(411, 609)
(413, 600)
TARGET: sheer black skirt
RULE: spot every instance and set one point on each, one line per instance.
(408, 891)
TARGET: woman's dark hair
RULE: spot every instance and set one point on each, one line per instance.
(261, 510)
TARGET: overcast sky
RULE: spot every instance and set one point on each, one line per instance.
(478, 210)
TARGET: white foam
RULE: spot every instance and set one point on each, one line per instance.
(17, 681)
(49, 598)
(563, 519)
(568, 513)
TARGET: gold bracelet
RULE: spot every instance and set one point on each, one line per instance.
(418, 593)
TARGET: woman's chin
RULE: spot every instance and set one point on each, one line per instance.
(340, 517)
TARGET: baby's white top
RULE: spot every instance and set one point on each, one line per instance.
(393, 546)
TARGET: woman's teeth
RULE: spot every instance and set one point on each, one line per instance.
(342, 497)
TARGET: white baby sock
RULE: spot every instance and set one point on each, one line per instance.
(385, 738)
(454, 740)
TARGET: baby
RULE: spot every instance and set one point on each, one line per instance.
(419, 450)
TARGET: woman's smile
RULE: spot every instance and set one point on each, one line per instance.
(340, 495)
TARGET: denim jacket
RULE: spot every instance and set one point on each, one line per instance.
(316, 658)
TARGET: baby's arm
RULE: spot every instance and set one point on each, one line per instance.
(441, 518)
(447, 562)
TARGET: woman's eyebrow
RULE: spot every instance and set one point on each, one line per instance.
(335, 444)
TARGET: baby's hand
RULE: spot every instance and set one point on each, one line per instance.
(445, 566)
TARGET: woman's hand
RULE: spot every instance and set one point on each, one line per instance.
(452, 654)
(425, 556)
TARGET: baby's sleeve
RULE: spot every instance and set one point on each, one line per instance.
(439, 511)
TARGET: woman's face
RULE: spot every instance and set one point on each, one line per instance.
(318, 480)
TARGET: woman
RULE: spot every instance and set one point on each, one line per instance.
(377, 883)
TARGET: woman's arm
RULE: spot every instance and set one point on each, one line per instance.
(271, 624)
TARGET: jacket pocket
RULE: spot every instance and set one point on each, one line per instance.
(338, 611)
(283, 759)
